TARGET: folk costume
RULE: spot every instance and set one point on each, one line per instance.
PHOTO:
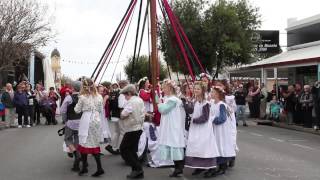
(132, 118)
(171, 134)
(232, 108)
(202, 151)
(89, 130)
(222, 128)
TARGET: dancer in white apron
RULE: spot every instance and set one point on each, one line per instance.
(171, 134)
(202, 151)
(90, 104)
(222, 128)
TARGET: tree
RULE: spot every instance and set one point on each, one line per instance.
(190, 17)
(24, 27)
(142, 69)
(221, 33)
(230, 27)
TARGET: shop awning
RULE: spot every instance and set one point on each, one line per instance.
(303, 57)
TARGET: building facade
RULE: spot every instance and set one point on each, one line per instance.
(299, 64)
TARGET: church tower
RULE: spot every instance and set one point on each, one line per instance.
(56, 67)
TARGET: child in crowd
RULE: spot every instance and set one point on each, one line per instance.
(275, 108)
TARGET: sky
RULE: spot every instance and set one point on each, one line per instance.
(84, 28)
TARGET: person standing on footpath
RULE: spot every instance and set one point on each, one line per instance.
(297, 115)
(240, 98)
(263, 101)
(289, 99)
(172, 127)
(39, 96)
(132, 118)
(90, 104)
(316, 101)
(7, 100)
(306, 101)
(31, 102)
(20, 100)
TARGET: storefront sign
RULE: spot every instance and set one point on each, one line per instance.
(266, 42)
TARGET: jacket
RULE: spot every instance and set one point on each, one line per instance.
(6, 100)
(20, 99)
(133, 114)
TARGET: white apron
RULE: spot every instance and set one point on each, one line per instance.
(230, 100)
(223, 132)
(201, 140)
(84, 124)
(172, 131)
(105, 130)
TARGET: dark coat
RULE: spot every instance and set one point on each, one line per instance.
(20, 99)
(6, 100)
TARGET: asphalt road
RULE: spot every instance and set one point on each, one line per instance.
(266, 153)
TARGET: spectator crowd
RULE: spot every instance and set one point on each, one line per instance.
(293, 104)
(27, 105)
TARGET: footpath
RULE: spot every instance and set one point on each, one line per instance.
(286, 126)
(2, 125)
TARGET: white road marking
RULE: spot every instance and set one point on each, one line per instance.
(276, 139)
(256, 134)
(297, 140)
(303, 146)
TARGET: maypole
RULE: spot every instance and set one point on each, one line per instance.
(154, 49)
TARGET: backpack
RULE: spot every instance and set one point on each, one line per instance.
(71, 114)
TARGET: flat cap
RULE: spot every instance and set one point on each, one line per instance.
(129, 89)
(76, 85)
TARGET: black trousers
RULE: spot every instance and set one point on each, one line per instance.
(317, 111)
(307, 117)
(37, 111)
(31, 112)
(129, 149)
(22, 113)
(49, 114)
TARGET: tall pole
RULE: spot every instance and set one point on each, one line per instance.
(154, 56)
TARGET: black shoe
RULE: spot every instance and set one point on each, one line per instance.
(136, 175)
(222, 169)
(70, 155)
(75, 169)
(110, 150)
(210, 173)
(98, 173)
(197, 172)
(176, 173)
(83, 171)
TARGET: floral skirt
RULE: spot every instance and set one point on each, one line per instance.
(92, 144)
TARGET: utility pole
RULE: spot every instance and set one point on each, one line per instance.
(154, 50)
